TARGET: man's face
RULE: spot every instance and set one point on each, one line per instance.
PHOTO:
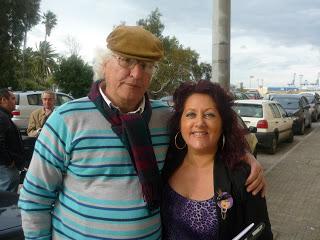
(125, 87)
(48, 101)
(10, 103)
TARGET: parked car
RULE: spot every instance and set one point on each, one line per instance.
(237, 95)
(168, 100)
(297, 106)
(269, 96)
(250, 136)
(272, 122)
(253, 94)
(314, 101)
(27, 102)
(10, 217)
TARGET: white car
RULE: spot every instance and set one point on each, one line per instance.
(271, 120)
(27, 102)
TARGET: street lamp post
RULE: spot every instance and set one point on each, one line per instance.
(250, 78)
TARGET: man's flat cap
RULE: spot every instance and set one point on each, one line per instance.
(135, 42)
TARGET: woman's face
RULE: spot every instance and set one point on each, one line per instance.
(201, 124)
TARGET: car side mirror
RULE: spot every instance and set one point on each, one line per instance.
(252, 129)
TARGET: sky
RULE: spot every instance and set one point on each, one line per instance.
(272, 42)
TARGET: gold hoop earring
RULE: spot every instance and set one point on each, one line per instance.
(175, 142)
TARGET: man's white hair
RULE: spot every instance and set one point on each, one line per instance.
(101, 57)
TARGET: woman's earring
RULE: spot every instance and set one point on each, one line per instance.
(175, 142)
(223, 141)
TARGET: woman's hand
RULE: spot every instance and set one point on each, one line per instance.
(256, 181)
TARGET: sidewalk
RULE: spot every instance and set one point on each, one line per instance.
(293, 194)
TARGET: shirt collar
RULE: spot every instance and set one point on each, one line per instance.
(6, 111)
(140, 109)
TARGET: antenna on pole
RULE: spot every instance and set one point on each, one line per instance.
(293, 80)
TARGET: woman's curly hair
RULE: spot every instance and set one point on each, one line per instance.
(235, 144)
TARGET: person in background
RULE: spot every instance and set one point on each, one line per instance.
(39, 117)
(11, 148)
(204, 195)
(95, 170)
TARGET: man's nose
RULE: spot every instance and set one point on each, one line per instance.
(137, 71)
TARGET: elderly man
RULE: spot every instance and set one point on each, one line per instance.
(95, 170)
(39, 117)
(11, 147)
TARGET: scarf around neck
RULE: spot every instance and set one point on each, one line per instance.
(133, 131)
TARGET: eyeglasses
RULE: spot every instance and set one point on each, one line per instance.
(130, 63)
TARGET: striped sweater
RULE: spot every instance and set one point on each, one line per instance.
(81, 183)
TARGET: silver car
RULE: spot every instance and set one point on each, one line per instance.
(27, 102)
(314, 101)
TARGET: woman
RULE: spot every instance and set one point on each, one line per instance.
(204, 196)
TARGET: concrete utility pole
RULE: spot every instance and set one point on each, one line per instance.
(221, 42)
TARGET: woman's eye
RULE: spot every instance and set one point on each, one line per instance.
(190, 115)
(209, 115)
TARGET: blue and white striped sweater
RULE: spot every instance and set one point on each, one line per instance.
(82, 168)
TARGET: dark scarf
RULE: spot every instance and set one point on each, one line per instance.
(134, 133)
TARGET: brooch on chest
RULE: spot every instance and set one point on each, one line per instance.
(224, 202)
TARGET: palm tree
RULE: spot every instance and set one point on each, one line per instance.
(44, 62)
(30, 18)
(49, 20)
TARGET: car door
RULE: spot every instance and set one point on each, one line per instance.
(28, 102)
(286, 121)
(277, 121)
(317, 103)
(305, 106)
(62, 98)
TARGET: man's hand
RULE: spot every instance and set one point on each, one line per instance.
(256, 181)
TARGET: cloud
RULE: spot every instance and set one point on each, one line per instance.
(291, 22)
(269, 39)
(272, 62)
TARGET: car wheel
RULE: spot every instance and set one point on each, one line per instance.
(291, 137)
(302, 128)
(274, 143)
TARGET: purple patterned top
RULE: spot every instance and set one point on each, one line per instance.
(183, 218)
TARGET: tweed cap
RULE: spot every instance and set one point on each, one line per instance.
(135, 42)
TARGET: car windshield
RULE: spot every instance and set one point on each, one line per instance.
(288, 103)
(310, 98)
(239, 95)
(251, 94)
(249, 110)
